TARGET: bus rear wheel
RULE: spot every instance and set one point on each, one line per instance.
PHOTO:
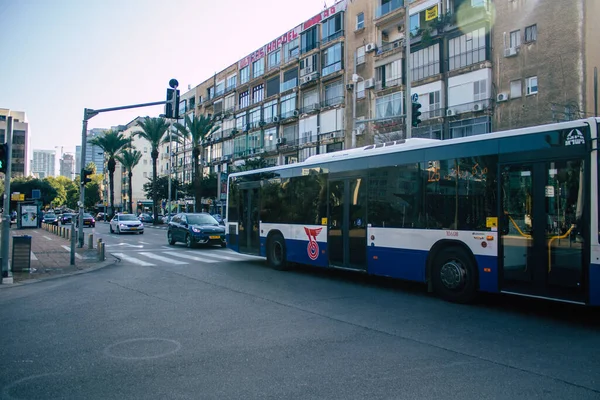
(454, 276)
(276, 253)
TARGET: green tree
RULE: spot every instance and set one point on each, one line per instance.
(162, 188)
(197, 129)
(91, 167)
(129, 158)
(154, 131)
(252, 163)
(111, 142)
(26, 185)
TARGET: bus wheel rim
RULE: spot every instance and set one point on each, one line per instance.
(453, 275)
(277, 252)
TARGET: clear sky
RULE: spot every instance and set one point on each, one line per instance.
(61, 56)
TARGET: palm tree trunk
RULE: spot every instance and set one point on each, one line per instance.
(111, 185)
(154, 186)
(197, 198)
(130, 192)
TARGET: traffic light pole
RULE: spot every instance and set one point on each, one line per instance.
(6, 272)
(88, 114)
(407, 95)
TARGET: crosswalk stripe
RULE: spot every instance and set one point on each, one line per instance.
(233, 253)
(163, 259)
(211, 254)
(182, 255)
(133, 260)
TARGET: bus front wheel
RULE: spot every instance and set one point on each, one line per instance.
(454, 275)
(276, 253)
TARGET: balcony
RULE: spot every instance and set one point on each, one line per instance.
(388, 84)
(334, 101)
(285, 86)
(333, 36)
(310, 47)
(310, 108)
(228, 133)
(474, 106)
(331, 135)
(388, 47)
(434, 113)
(288, 114)
(388, 7)
(330, 69)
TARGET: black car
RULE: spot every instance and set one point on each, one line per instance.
(147, 218)
(66, 218)
(193, 229)
(50, 218)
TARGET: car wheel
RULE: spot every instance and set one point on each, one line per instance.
(118, 230)
(111, 229)
(454, 276)
(277, 253)
(170, 238)
(142, 232)
(223, 244)
(188, 241)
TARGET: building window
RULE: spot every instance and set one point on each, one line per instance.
(220, 89)
(435, 105)
(244, 74)
(334, 93)
(425, 62)
(389, 74)
(230, 102)
(333, 27)
(478, 3)
(239, 146)
(515, 39)
(332, 59)
(254, 117)
(531, 33)
(288, 105)
(360, 89)
(308, 65)
(270, 111)
(310, 101)
(290, 79)
(240, 122)
(388, 106)
(258, 93)
(244, 100)
(469, 127)
(210, 92)
(145, 150)
(480, 90)
(516, 89)
(218, 107)
(532, 85)
(258, 68)
(308, 39)
(291, 50)
(415, 24)
(231, 81)
(467, 49)
(270, 142)
(360, 55)
(273, 86)
(274, 59)
(360, 21)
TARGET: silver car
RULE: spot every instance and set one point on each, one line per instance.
(122, 223)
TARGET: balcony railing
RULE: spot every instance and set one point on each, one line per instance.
(434, 113)
(287, 85)
(228, 132)
(331, 135)
(310, 107)
(474, 106)
(330, 69)
(396, 44)
(388, 7)
(389, 83)
(333, 36)
(310, 47)
(219, 92)
(287, 114)
(333, 101)
(467, 58)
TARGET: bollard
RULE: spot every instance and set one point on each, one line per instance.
(67, 233)
(98, 245)
(101, 254)
(64, 232)
(91, 241)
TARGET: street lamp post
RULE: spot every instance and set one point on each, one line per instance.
(407, 96)
(355, 78)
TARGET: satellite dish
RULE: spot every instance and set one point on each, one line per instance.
(173, 83)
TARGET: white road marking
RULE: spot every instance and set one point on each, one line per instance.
(143, 242)
(133, 260)
(33, 257)
(67, 248)
(163, 259)
(220, 257)
(233, 253)
(46, 237)
(175, 254)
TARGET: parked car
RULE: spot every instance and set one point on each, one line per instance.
(219, 219)
(88, 220)
(146, 218)
(193, 229)
(66, 218)
(167, 218)
(50, 218)
(100, 216)
(126, 223)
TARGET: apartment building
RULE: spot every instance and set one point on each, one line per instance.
(20, 141)
(44, 163)
(67, 166)
(93, 153)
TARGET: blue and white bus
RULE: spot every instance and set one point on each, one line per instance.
(513, 212)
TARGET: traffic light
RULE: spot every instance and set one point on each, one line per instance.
(416, 113)
(85, 176)
(3, 157)
(172, 104)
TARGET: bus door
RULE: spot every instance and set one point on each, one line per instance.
(248, 230)
(544, 238)
(347, 227)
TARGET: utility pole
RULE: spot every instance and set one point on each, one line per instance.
(170, 166)
(6, 272)
(407, 95)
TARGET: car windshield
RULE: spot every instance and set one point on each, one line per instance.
(201, 219)
(50, 216)
(87, 215)
(128, 217)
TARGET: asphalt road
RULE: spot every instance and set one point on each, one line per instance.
(221, 326)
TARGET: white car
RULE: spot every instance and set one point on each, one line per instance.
(126, 223)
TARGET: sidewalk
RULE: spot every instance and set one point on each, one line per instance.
(51, 255)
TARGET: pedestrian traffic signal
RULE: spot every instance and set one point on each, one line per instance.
(172, 104)
(3, 157)
(85, 176)
(416, 113)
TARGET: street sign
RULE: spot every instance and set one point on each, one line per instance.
(415, 97)
(36, 194)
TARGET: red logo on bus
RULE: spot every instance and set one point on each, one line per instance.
(313, 246)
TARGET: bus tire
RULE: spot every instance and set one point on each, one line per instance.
(276, 252)
(454, 275)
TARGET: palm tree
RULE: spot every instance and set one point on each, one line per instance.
(129, 158)
(197, 129)
(111, 142)
(154, 131)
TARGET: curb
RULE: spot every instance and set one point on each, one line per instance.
(83, 271)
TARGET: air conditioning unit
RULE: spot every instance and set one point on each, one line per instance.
(281, 141)
(349, 86)
(262, 123)
(370, 47)
(369, 83)
(275, 119)
(306, 79)
(306, 70)
(296, 112)
(449, 113)
(501, 97)
(226, 158)
(477, 107)
(510, 52)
